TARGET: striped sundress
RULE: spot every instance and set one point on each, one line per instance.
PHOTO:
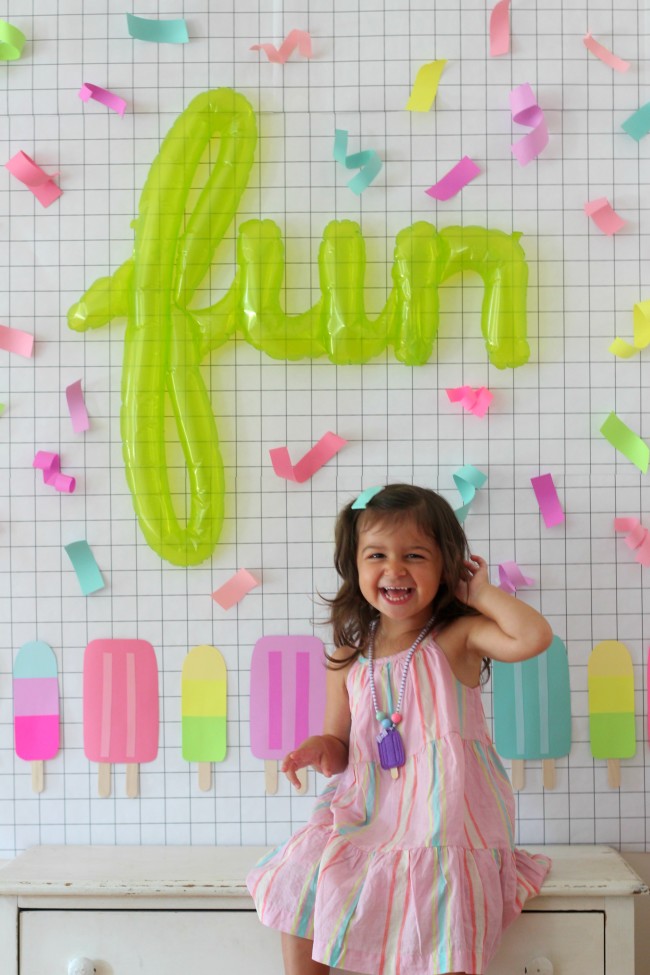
(417, 875)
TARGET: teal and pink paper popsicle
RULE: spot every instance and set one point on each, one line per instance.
(36, 707)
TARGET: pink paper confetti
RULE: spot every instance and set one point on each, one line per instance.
(50, 464)
(102, 95)
(603, 216)
(452, 183)
(235, 589)
(13, 340)
(328, 445)
(500, 29)
(618, 64)
(476, 401)
(42, 186)
(637, 538)
(526, 111)
(512, 578)
(547, 499)
(295, 39)
(77, 407)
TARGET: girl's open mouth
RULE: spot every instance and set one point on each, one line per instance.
(396, 594)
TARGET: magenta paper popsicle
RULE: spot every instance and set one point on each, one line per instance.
(36, 707)
(120, 694)
(287, 702)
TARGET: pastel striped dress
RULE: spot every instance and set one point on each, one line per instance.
(417, 875)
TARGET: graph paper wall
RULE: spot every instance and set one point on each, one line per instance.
(399, 424)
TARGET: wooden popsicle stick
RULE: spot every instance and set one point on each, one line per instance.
(132, 780)
(303, 778)
(548, 773)
(271, 777)
(613, 773)
(205, 776)
(37, 776)
(104, 780)
(518, 777)
(394, 773)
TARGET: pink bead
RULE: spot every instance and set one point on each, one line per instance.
(396, 718)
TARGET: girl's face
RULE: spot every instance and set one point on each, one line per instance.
(400, 569)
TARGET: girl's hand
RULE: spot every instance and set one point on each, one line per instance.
(476, 579)
(320, 751)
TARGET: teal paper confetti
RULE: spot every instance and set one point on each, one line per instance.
(84, 564)
(638, 124)
(468, 480)
(368, 162)
(157, 31)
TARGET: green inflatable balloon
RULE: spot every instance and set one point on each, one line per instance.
(166, 341)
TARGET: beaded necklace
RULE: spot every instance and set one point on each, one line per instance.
(389, 740)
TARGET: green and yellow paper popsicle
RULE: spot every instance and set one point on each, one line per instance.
(611, 706)
(203, 706)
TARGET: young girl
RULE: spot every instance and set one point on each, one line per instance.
(407, 866)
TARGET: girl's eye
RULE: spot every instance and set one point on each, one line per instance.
(377, 555)
(414, 555)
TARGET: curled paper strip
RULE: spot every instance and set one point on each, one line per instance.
(526, 111)
(626, 441)
(603, 216)
(13, 340)
(512, 578)
(295, 39)
(35, 179)
(618, 64)
(468, 480)
(452, 182)
(425, 87)
(157, 31)
(50, 464)
(476, 401)
(500, 29)
(328, 445)
(12, 42)
(547, 499)
(85, 566)
(114, 102)
(637, 538)
(366, 496)
(77, 407)
(638, 124)
(367, 161)
(641, 327)
(235, 589)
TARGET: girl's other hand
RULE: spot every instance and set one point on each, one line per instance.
(318, 751)
(476, 578)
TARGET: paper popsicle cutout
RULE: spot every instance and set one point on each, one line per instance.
(547, 499)
(36, 707)
(618, 64)
(157, 31)
(612, 732)
(235, 588)
(602, 214)
(637, 538)
(50, 464)
(500, 29)
(638, 124)
(77, 407)
(287, 702)
(532, 711)
(120, 708)
(34, 178)
(85, 565)
(425, 87)
(526, 111)
(468, 480)
(295, 39)
(326, 448)
(512, 578)
(476, 401)
(203, 708)
(626, 441)
(12, 42)
(641, 330)
(368, 162)
(13, 340)
(452, 182)
(115, 102)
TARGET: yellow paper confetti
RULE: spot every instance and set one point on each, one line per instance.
(424, 90)
(641, 339)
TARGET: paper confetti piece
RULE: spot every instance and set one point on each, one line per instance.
(603, 216)
(235, 589)
(77, 407)
(468, 480)
(328, 445)
(512, 578)
(476, 401)
(526, 111)
(50, 464)
(618, 64)
(35, 179)
(157, 31)
(366, 496)
(500, 29)
(114, 102)
(295, 39)
(638, 124)
(452, 183)
(12, 42)
(368, 161)
(13, 340)
(638, 538)
(84, 564)
(425, 87)
(626, 441)
(641, 327)
(547, 499)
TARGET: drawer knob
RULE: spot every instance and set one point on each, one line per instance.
(538, 966)
(81, 966)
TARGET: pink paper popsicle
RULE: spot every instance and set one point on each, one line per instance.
(36, 707)
(287, 702)
(120, 707)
